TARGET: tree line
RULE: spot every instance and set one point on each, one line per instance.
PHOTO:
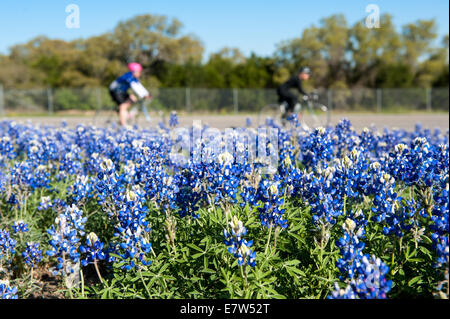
(340, 56)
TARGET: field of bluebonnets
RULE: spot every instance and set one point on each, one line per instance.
(92, 212)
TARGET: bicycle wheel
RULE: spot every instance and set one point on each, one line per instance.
(105, 116)
(148, 116)
(314, 115)
(270, 112)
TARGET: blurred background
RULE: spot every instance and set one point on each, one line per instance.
(224, 58)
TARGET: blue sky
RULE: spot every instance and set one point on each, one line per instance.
(249, 25)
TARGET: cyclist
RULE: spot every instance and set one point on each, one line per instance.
(119, 90)
(295, 82)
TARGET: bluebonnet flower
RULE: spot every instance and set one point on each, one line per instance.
(167, 190)
(173, 120)
(440, 225)
(35, 151)
(386, 200)
(222, 180)
(108, 184)
(368, 141)
(319, 191)
(342, 293)
(132, 230)
(370, 283)
(81, 190)
(130, 172)
(162, 126)
(330, 186)
(65, 239)
(250, 185)
(402, 218)
(415, 165)
(316, 147)
(272, 200)
(45, 203)
(3, 181)
(351, 244)
(59, 205)
(190, 194)
(27, 176)
(287, 162)
(20, 227)
(7, 292)
(238, 246)
(345, 137)
(6, 150)
(270, 122)
(7, 246)
(366, 274)
(293, 118)
(93, 250)
(71, 163)
(32, 254)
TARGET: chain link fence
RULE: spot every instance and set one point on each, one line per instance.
(49, 101)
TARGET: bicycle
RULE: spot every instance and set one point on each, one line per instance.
(311, 113)
(139, 111)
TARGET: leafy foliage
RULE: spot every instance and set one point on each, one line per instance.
(118, 213)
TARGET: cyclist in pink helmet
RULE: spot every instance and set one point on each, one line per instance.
(119, 90)
(134, 67)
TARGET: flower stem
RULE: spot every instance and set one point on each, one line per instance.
(82, 282)
(244, 276)
(275, 238)
(268, 239)
(98, 271)
(143, 281)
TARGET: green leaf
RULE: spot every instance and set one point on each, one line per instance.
(415, 280)
(425, 251)
(296, 271)
(195, 256)
(415, 259)
(208, 271)
(294, 262)
(427, 240)
(195, 247)
(105, 295)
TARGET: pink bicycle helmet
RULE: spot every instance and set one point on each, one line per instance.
(134, 67)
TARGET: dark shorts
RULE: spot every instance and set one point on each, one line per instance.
(119, 97)
(289, 97)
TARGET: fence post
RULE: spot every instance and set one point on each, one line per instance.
(235, 101)
(50, 101)
(188, 100)
(379, 93)
(98, 92)
(330, 99)
(428, 98)
(2, 101)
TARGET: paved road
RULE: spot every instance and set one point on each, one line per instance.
(359, 121)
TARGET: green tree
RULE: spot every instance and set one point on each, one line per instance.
(371, 49)
(322, 48)
(148, 38)
(417, 41)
